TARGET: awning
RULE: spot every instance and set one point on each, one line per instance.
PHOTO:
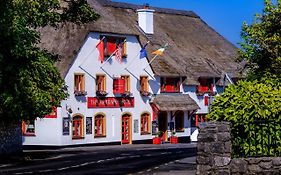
(183, 102)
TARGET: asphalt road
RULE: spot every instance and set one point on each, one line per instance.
(120, 159)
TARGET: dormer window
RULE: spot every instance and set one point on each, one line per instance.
(206, 85)
(170, 85)
(111, 44)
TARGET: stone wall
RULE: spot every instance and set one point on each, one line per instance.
(10, 137)
(214, 154)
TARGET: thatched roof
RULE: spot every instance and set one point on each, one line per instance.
(183, 102)
(195, 50)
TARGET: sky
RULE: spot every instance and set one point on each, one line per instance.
(225, 16)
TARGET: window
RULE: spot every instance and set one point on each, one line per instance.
(170, 84)
(79, 84)
(198, 118)
(77, 127)
(121, 85)
(112, 43)
(145, 123)
(144, 86)
(126, 79)
(28, 128)
(179, 121)
(100, 125)
(100, 85)
(206, 85)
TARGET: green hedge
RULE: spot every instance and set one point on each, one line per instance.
(254, 110)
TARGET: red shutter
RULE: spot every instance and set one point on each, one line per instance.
(206, 100)
(170, 85)
(111, 45)
(118, 86)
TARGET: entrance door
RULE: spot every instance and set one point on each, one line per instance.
(126, 129)
(163, 124)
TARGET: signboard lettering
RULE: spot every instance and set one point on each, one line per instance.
(111, 102)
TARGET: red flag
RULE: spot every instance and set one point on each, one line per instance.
(118, 54)
(100, 47)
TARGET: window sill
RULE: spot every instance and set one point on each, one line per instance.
(99, 136)
(77, 138)
(29, 134)
(145, 133)
(180, 130)
(170, 92)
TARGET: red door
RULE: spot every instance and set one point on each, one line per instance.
(126, 129)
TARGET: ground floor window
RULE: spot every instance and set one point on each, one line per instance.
(100, 126)
(198, 118)
(179, 121)
(77, 127)
(28, 128)
(145, 123)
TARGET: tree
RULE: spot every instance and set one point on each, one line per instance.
(261, 46)
(30, 84)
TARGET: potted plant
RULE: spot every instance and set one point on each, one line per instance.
(173, 138)
(101, 93)
(157, 138)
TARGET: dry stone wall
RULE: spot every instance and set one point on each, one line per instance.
(214, 154)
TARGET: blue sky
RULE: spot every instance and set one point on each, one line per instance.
(225, 16)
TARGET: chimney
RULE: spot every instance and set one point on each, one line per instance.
(145, 18)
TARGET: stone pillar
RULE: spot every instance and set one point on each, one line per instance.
(214, 148)
(10, 137)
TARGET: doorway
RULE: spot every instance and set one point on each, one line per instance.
(126, 129)
(163, 125)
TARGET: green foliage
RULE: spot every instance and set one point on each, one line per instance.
(30, 84)
(261, 46)
(245, 103)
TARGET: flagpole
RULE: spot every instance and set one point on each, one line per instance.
(135, 57)
(166, 45)
(92, 51)
(151, 61)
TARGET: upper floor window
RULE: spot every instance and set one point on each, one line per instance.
(206, 85)
(122, 85)
(126, 82)
(28, 128)
(170, 84)
(101, 85)
(111, 44)
(79, 84)
(144, 83)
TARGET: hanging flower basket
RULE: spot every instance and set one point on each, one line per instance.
(80, 93)
(101, 93)
(145, 93)
(127, 94)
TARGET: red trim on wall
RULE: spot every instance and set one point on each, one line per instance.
(53, 114)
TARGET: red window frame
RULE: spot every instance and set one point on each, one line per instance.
(145, 124)
(100, 126)
(206, 85)
(77, 127)
(170, 85)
